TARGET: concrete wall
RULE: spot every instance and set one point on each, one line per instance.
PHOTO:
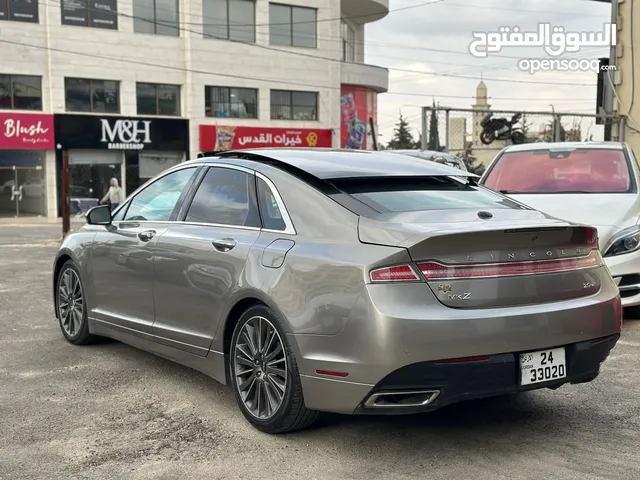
(628, 53)
(164, 59)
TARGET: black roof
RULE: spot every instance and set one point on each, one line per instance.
(328, 164)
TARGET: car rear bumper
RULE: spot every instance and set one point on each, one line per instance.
(452, 382)
(392, 327)
(625, 270)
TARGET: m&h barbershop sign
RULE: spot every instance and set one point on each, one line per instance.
(125, 134)
(133, 134)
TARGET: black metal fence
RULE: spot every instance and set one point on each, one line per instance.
(460, 131)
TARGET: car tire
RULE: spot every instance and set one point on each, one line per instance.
(71, 305)
(251, 386)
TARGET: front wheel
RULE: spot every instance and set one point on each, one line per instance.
(264, 374)
(487, 136)
(71, 304)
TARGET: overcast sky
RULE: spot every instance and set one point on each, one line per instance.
(411, 39)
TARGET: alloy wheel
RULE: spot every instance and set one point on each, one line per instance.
(260, 367)
(70, 302)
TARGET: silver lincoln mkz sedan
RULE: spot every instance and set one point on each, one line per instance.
(341, 281)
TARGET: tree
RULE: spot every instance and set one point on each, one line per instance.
(549, 134)
(402, 136)
(418, 145)
(470, 160)
(434, 136)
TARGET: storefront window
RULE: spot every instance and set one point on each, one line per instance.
(292, 26)
(231, 102)
(348, 43)
(287, 105)
(98, 96)
(20, 92)
(229, 19)
(155, 99)
(158, 17)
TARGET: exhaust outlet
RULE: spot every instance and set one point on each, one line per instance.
(401, 399)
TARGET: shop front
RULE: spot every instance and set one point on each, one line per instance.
(25, 139)
(220, 138)
(130, 149)
(358, 106)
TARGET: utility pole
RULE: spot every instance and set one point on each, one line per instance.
(423, 143)
(66, 214)
(374, 134)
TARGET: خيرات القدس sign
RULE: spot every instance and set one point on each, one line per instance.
(220, 138)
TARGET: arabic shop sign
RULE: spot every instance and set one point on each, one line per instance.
(219, 137)
(554, 40)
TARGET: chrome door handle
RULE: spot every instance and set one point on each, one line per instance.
(146, 235)
(224, 244)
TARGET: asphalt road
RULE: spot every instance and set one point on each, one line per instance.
(110, 411)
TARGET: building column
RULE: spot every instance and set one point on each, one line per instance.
(627, 75)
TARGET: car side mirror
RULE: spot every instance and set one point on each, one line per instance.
(100, 215)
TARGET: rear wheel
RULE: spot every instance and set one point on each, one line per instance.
(264, 374)
(517, 137)
(72, 305)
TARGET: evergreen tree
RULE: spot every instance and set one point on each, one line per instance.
(418, 145)
(402, 136)
(470, 160)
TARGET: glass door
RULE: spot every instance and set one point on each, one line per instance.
(89, 184)
(22, 191)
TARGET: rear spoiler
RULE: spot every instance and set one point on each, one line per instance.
(212, 153)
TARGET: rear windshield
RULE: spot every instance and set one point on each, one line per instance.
(561, 171)
(406, 194)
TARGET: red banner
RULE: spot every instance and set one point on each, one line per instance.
(26, 131)
(357, 105)
(218, 137)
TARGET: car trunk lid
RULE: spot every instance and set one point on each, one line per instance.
(492, 258)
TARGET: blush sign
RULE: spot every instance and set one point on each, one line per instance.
(26, 131)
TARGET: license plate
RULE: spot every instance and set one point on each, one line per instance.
(542, 366)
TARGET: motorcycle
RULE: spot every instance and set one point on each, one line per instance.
(501, 129)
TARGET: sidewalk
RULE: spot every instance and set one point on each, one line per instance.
(29, 221)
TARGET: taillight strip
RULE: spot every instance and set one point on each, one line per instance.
(439, 271)
(398, 273)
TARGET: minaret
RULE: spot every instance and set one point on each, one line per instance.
(482, 105)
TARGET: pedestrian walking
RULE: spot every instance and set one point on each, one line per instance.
(114, 195)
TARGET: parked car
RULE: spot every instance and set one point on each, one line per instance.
(593, 183)
(344, 281)
(7, 187)
(438, 157)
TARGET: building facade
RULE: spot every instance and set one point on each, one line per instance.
(131, 88)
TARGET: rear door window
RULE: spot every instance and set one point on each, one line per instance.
(225, 197)
(405, 194)
(561, 171)
(269, 209)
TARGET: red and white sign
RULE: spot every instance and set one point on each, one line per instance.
(26, 131)
(218, 137)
